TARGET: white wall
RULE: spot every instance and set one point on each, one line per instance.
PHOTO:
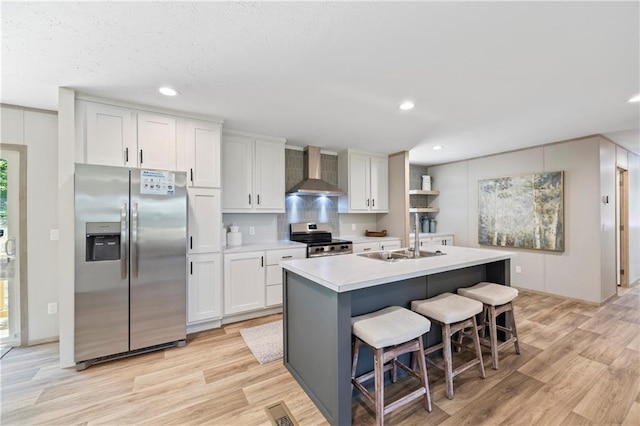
(634, 217)
(265, 226)
(38, 131)
(607, 219)
(574, 273)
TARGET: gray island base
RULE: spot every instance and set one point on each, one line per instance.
(322, 294)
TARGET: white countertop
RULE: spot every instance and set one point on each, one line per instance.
(262, 246)
(352, 272)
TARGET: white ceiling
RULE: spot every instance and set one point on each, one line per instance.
(486, 77)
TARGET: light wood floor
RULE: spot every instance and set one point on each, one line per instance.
(580, 365)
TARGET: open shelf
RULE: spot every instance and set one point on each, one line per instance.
(422, 192)
(424, 210)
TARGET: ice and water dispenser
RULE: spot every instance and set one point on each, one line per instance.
(102, 241)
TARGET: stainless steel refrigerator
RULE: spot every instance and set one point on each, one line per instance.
(130, 261)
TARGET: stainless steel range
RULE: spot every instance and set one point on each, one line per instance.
(318, 238)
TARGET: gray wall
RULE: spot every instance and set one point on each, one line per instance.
(584, 270)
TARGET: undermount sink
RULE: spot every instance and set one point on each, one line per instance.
(402, 254)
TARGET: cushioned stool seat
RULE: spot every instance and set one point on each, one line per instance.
(496, 299)
(454, 314)
(490, 293)
(391, 332)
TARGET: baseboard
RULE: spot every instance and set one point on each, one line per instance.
(203, 326)
(250, 315)
(573, 299)
(43, 341)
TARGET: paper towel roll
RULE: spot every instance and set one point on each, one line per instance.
(234, 239)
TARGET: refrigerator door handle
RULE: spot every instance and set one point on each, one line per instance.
(123, 241)
(134, 240)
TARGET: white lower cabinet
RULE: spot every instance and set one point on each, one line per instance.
(204, 293)
(390, 245)
(244, 282)
(444, 240)
(274, 272)
(376, 246)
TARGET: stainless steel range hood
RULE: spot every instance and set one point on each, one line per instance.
(312, 184)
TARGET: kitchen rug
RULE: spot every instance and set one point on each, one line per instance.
(265, 341)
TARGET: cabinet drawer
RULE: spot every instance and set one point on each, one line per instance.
(274, 274)
(364, 247)
(390, 245)
(275, 256)
(274, 295)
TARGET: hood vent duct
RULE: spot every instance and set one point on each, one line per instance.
(312, 184)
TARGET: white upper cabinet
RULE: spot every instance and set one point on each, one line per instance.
(203, 154)
(237, 173)
(269, 175)
(252, 174)
(379, 184)
(365, 178)
(110, 136)
(205, 220)
(156, 141)
(116, 135)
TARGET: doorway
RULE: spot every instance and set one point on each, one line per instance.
(12, 244)
(622, 228)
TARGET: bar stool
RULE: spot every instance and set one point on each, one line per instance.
(496, 299)
(390, 332)
(453, 314)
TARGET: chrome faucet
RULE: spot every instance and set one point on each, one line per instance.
(416, 240)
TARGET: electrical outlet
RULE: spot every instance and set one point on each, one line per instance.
(54, 235)
(353, 226)
(252, 230)
(52, 308)
(518, 270)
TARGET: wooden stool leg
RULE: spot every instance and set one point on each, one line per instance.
(422, 364)
(485, 320)
(379, 385)
(476, 343)
(514, 329)
(446, 355)
(493, 329)
(354, 360)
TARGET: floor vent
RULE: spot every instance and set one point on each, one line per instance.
(280, 415)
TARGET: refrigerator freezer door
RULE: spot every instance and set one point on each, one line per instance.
(101, 282)
(158, 257)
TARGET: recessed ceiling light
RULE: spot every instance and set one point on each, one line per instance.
(168, 91)
(437, 147)
(406, 105)
(636, 98)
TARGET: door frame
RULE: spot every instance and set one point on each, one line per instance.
(22, 227)
(622, 227)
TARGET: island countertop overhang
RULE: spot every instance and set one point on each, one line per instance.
(352, 272)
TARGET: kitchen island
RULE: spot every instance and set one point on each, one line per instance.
(322, 294)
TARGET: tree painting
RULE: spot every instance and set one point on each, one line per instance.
(522, 211)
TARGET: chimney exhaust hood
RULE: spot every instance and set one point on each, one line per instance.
(312, 184)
